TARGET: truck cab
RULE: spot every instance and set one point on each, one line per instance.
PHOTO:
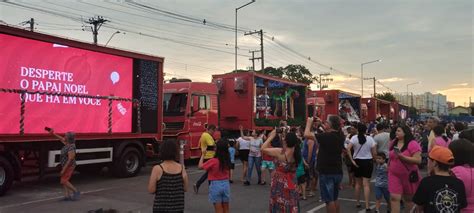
(188, 107)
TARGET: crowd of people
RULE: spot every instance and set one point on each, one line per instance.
(308, 159)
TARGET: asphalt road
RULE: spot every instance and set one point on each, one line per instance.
(130, 195)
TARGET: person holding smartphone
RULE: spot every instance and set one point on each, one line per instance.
(403, 171)
(68, 163)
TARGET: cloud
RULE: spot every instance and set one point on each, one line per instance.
(342, 78)
(459, 95)
(461, 85)
(394, 79)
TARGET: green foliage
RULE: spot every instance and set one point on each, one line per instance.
(238, 71)
(298, 73)
(412, 111)
(292, 72)
(386, 96)
(277, 72)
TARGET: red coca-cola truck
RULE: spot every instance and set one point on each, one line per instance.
(337, 102)
(377, 109)
(110, 98)
(250, 99)
(258, 101)
(188, 107)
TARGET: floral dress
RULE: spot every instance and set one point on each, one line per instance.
(284, 197)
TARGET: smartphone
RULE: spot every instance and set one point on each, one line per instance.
(396, 149)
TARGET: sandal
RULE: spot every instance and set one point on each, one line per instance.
(262, 183)
(358, 205)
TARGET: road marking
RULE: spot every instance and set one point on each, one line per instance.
(316, 208)
(54, 198)
(353, 200)
(363, 210)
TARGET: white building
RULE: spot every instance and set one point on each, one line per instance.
(427, 102)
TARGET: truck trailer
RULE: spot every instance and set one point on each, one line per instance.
(110, 98)
(250, 99)
(337, 102)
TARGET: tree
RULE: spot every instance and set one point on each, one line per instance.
(412, 112)
(386, 96)
(277, 72)
(298, 73)
(236, 71)
(292, 72)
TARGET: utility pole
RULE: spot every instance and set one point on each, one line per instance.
(322, 78)
(97, 23)
(253, 58)
(373, 78)
(31, 22)
(261, 48)
(260, 32)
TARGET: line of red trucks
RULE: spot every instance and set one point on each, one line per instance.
(118, 105)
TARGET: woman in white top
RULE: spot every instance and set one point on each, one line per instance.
(362, 159)
(243, 146)
(255, 155)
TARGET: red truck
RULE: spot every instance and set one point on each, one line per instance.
(188, 107)
(338, 102)
(376, 109)
(250, 99)
(315, 105)
(400, 110)
(112, 100)
(258, 101)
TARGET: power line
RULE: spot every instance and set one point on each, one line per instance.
(193, 22)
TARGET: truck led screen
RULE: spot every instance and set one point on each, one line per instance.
(46, 67)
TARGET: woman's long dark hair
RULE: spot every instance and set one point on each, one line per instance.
(407, 139)
(222, 154)
(462, 150)
(438, 131)
(293, 141)
(362, 129)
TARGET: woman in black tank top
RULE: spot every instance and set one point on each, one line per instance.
(168, 181)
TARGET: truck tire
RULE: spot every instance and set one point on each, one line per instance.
(6, 175)
(128, 164)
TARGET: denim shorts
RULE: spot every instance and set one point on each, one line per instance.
(268, 165)
(219, 191)
(382, 192)
(329, 185)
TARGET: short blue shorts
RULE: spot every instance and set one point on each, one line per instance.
(329, 185)
(219, 191)
(382, 192)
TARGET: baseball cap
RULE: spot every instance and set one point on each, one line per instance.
(442, 155)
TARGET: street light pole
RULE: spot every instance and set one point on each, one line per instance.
(409, 93)
(116, 32)
(236, 10)
(362, 75)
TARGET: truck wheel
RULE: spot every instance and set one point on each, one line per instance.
(6, 175)
(128, 165)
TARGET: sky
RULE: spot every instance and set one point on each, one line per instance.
(430, 42)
